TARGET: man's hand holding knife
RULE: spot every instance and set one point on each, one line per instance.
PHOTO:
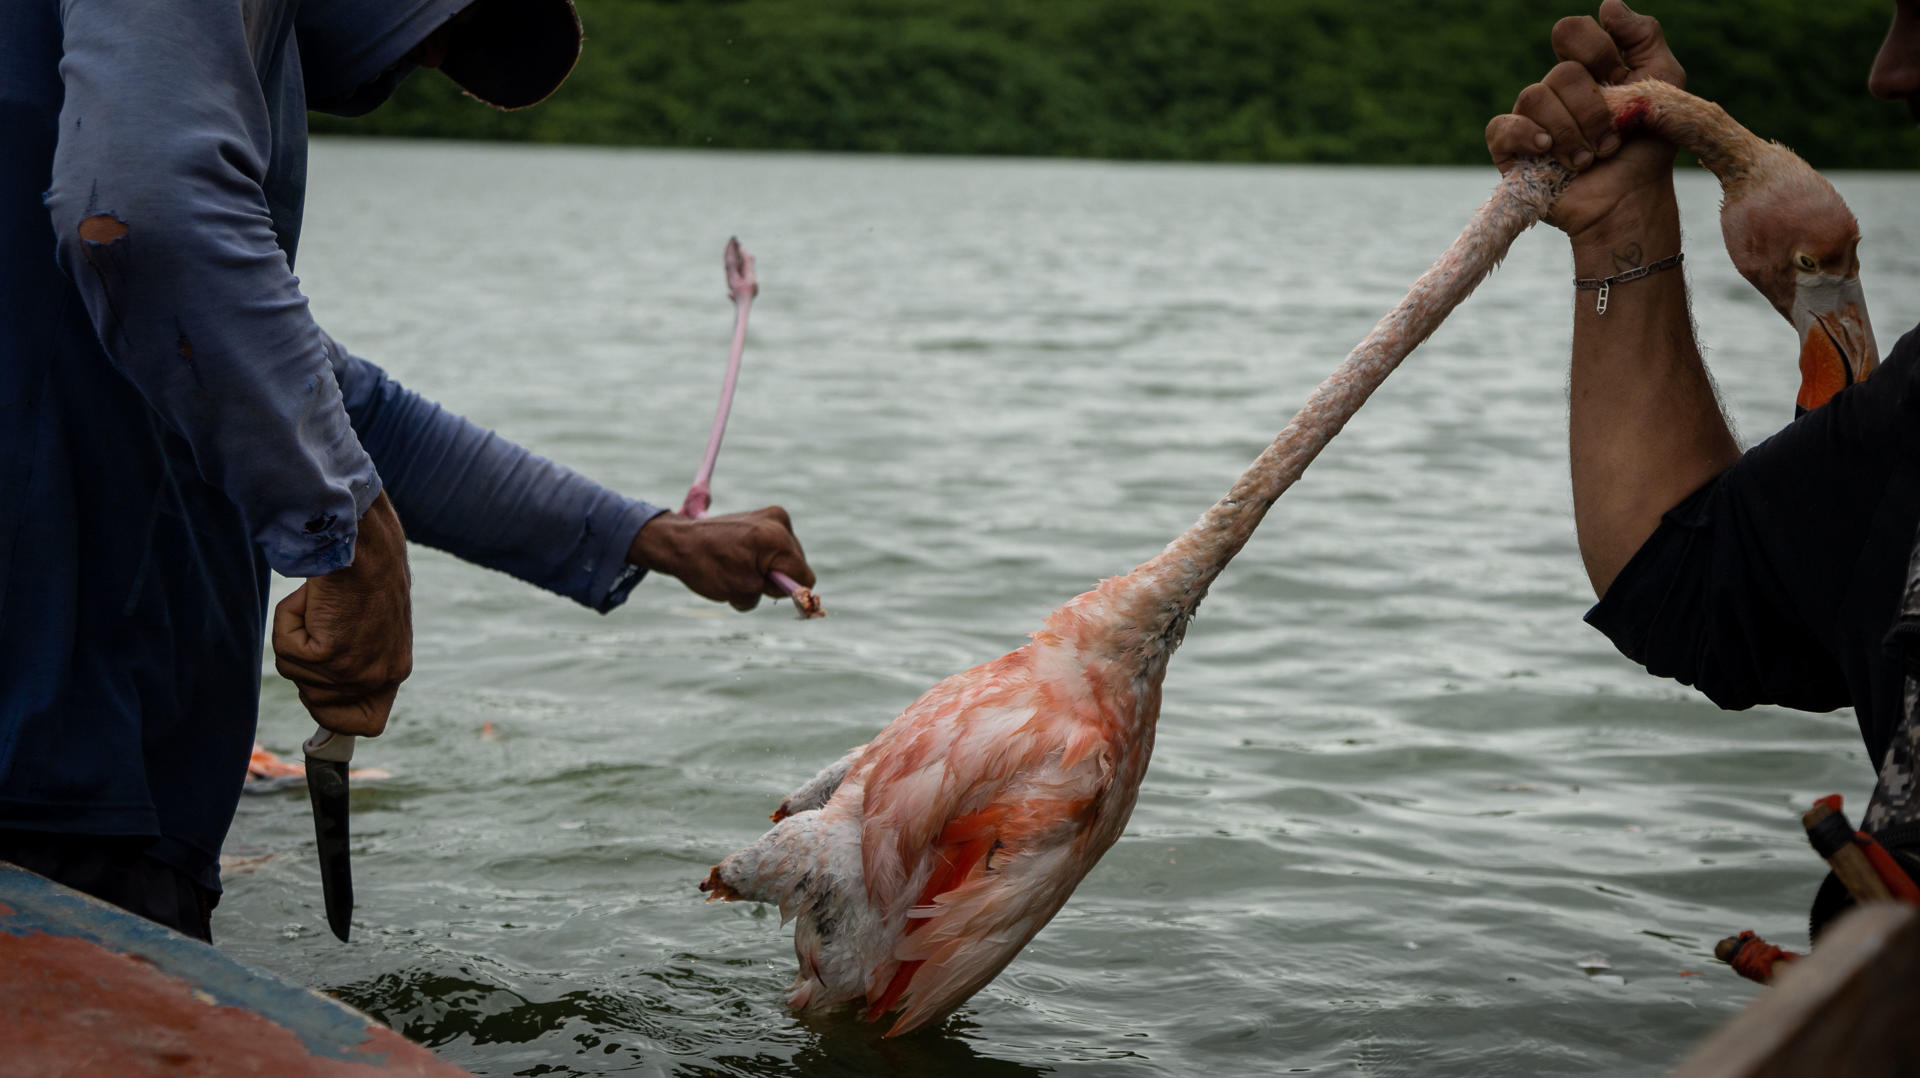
(346, 642)
(345, 639)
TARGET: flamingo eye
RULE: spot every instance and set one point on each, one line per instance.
(1805, 262)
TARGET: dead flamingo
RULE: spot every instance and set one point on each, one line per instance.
(919, 864)
(743, 287)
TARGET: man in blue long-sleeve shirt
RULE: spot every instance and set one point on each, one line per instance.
(173, 424)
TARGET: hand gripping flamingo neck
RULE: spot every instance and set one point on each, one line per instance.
(1147, 610)
(1733, 154)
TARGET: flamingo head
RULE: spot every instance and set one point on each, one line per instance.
(1795, 241)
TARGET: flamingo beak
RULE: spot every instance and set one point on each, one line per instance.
(1836, 339)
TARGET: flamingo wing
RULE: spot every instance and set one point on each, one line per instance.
(954, 752)
(975, 812)
(996, 877)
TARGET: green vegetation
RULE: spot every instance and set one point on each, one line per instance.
(1376, 81)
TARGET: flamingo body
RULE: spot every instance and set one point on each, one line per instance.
(922, 862)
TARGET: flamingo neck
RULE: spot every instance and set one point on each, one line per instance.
(1139, 619)
(1144, 614)
(1735, 155)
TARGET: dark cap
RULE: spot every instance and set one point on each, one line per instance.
(513, 53)
(508, 53)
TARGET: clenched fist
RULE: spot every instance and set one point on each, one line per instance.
(346, 639)
(726, 558)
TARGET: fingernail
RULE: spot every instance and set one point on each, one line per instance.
(1609, 144)
(1582, 159)
(1542, 141)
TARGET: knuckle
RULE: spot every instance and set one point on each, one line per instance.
(326, 696)
(1508, 131)
(1568, 74)
(1574, 31)
(1638, 32)
(290, 648)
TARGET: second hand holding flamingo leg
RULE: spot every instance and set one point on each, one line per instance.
(742, 286)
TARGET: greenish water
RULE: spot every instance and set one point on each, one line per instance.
(1398, 788)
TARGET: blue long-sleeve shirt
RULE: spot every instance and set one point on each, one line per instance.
(173, 423)
(466, 490)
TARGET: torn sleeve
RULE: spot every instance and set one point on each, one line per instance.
(158, 208)
(466, 490)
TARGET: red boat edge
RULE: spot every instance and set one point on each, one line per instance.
(91, 989)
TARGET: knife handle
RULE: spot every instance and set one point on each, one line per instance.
(327, 745)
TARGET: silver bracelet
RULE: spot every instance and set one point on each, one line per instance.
(1605, 284)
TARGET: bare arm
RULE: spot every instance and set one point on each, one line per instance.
(1645, 427)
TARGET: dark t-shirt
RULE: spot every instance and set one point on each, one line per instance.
(1777, 582)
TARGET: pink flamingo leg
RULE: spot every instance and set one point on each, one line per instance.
(743, 287)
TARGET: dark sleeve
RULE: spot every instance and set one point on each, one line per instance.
(462, 488)
(1751, 589)
(165, 135)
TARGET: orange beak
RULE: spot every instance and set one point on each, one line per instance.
(1836, 339)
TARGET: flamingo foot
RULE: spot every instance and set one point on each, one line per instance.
(804, 599)
(807, 603)
(741, 282)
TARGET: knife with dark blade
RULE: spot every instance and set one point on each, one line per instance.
(327, 756)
